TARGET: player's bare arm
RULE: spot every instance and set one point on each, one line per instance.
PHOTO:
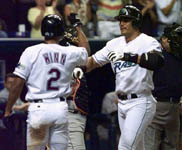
(91, 64)
(83, 41)
(15, 92)
(152, 60)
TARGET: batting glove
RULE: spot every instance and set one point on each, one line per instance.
(115, 56)
(77, 73)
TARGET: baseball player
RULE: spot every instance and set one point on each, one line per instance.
(77, 115)
(133, 58)
(46, 69)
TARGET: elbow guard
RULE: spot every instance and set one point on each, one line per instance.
(152, 60)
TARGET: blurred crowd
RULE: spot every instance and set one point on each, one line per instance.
(22, 18)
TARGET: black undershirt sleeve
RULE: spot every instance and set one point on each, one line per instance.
(153, 60)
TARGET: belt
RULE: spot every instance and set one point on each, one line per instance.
(71, 106)
(74, 111)
(127, 96)
(41, 100)
(169, 99)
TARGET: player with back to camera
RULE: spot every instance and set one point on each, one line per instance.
(46, 69)
(133, 57)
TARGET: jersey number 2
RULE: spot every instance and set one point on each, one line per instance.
(53, 79)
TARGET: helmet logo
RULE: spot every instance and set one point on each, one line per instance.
(49, 34)
(124, 11)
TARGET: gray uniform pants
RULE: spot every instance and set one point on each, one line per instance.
(76, 129)
(163, 132)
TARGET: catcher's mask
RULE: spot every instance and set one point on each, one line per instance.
(132, 13)
(52, 26)
(174, 34)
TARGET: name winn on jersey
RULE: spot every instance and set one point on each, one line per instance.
(53, 57)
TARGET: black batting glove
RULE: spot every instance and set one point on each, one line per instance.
(114, 56)
(74, 20)
(130, 57)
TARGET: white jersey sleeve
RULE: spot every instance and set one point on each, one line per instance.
(24, 65)
(154, 45)
(101, 56)
(80, 54)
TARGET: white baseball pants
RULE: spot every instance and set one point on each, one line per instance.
(134, 116)
(47, 124)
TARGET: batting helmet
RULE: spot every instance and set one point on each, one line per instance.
(130, 12)
(174, 34)
(52, 26)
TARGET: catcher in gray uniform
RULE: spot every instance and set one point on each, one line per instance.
(77, 111)
(78, 101)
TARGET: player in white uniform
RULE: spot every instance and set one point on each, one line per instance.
(47, 70)
(133, 56)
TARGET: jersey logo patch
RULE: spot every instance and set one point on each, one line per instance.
(120, 65)
(20, 66)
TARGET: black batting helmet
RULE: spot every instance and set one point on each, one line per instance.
(52, 26)
(130, 12)
(174, 34)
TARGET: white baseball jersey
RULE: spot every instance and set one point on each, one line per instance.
(130, 77)
(47, 68)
